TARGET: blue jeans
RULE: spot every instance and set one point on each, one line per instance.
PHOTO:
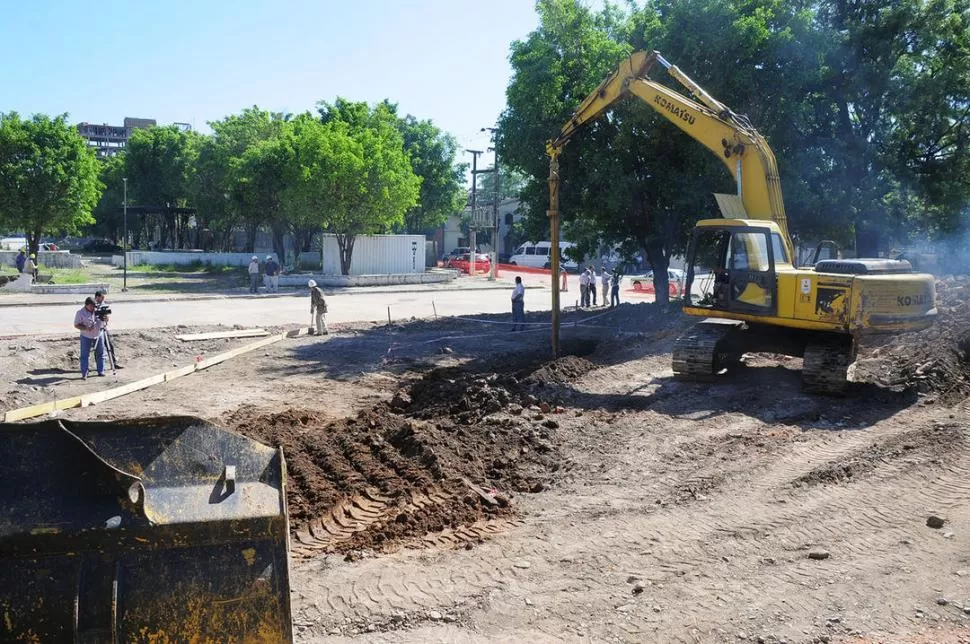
(86, 344)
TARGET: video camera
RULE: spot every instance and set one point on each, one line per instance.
(102, 312)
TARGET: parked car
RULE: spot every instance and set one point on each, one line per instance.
(675, 282)
(463, 262)
(455, 253)
(536, 255)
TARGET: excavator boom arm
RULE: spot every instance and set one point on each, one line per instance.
(728, 135)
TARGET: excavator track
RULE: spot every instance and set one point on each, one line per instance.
(706, 349)
(825, 367)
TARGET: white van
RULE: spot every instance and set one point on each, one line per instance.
(536, 255)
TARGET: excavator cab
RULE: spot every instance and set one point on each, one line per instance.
(731, 267)
(149, 530)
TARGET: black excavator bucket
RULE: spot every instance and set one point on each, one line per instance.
(151, 530)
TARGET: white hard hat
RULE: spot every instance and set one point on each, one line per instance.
(254, 259)
(311, 284)
(269, 257)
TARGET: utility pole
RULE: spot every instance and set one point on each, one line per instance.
(496, 238)
(472, 232)
(124, 241)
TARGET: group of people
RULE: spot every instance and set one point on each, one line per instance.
(610, 283)
(271, 275)
(27, 265)
(92, 321)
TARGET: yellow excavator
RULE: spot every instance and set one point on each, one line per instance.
(741, 270)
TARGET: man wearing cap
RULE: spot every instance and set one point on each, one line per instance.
(318, 307)
(272, 270)
(254, 275)
(103, 313)
(90, 327)
(21, 260)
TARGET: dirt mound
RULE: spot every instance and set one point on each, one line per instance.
(443, 459)
(934, 361)
(454, 392)
(561, 371)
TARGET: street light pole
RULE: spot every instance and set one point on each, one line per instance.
(124, 240)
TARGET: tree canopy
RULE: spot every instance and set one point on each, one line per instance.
(48, 177)
(864, 104)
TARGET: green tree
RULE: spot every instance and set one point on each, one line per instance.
(258, 187)
(48, 177)
(108, 213)
(354, 172)
(432, 154)
(218, 183)
(160, 163)
(630, 177)
(891, 113)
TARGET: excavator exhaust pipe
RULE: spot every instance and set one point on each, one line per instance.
(146, 530)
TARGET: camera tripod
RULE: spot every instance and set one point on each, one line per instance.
(109, 350)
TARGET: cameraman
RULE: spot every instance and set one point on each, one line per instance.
(90, 327)
(103, 313)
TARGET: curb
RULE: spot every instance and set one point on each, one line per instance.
(231, 296)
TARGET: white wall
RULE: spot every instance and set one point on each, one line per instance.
(373, 255)
(377, 254)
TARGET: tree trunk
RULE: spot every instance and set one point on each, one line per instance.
(867, 240)
(33, 242)
(659, 261)
(251, 229)
(346, 244)
(278, 246)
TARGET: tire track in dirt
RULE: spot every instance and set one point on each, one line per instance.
(704, 532)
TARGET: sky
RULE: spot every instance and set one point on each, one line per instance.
(194, 62)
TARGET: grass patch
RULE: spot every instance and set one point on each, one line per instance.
(67, 275)
(197, 266)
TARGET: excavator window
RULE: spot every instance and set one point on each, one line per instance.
(732, 269)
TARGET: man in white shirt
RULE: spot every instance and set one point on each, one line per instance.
(605, 281)
(518, 305)
(254, 275)
(584, 289)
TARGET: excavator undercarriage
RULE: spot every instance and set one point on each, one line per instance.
(714, 346)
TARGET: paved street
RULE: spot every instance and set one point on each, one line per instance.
(259, 311)
(52, 314)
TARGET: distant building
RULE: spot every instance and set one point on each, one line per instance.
(110, 139)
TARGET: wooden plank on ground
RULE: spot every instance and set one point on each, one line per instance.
(41, 409)
(221, 357)
(237, 333)
(116, 392)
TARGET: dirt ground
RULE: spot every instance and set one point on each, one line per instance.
(449, 482)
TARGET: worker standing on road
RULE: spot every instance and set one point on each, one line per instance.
(21, 260)
(605, 281)
(254, 275)
(318, 308)
(592, 286)
(584, 288)
(615, 288)
(90, 327)
(272, 270)
(518, 305)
